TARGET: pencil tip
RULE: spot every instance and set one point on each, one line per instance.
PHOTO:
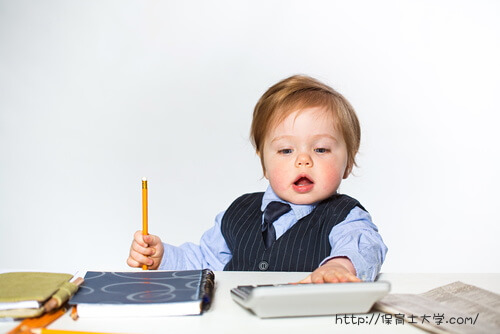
(144, 179)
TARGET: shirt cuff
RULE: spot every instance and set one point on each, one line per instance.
(363, 271)
(173, 258)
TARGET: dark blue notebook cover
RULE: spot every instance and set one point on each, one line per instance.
(142, 287)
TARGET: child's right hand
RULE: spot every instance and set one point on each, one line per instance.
(145, 249)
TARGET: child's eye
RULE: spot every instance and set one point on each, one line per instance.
(285, 151)
(321, 150)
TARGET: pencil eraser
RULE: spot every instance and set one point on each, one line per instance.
(144, 179)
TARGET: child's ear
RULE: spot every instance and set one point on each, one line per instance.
(347, 172)
(262, 163)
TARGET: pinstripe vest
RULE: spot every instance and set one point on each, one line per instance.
(301, 248)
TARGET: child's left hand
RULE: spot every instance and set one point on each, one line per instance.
(337, 270)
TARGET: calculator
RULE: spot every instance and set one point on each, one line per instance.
(296, 299)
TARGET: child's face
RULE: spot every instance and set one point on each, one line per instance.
(305, 157)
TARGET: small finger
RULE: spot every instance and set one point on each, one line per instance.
(331, 277)
(349, 277)
(152, 240)
(139, 238)
(346, 277)
(132, 263)
(146, 251)
(343, 278)
(354, 278)
(306, 280)
(317, 277)
(140, 258)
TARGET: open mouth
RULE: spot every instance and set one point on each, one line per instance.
(303, 181)
(303, 184)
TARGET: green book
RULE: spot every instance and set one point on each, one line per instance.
(22, 294)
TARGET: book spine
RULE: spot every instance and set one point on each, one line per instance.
(207, 288)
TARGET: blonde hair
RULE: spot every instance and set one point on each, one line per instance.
(299, 92)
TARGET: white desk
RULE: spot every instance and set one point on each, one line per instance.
(225, 316)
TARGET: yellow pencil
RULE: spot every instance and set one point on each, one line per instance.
(58, 331)
(46, 319)
(144, 211)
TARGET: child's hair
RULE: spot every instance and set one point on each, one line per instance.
(299, 92)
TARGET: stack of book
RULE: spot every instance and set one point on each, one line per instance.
(30, 294)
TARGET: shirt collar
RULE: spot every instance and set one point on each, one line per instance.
(299, 210)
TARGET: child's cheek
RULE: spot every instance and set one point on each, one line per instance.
(277, 179)
(332, 178)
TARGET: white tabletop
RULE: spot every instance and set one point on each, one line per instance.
(225, 316)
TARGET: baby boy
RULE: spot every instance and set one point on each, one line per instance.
(307, 136)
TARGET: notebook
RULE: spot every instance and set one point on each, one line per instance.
(147, 293)
(22, 294)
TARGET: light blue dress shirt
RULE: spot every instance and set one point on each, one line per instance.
(356, 238)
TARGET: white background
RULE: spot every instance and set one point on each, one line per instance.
(94, 95)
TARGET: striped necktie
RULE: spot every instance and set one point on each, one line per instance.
(273, 211)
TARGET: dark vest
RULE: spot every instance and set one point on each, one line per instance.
(301, 248)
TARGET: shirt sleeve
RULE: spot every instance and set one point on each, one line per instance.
(212, 252)
(357, 238)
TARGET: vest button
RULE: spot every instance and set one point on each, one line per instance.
(263, 265)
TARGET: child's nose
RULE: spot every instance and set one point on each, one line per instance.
(303, 160)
